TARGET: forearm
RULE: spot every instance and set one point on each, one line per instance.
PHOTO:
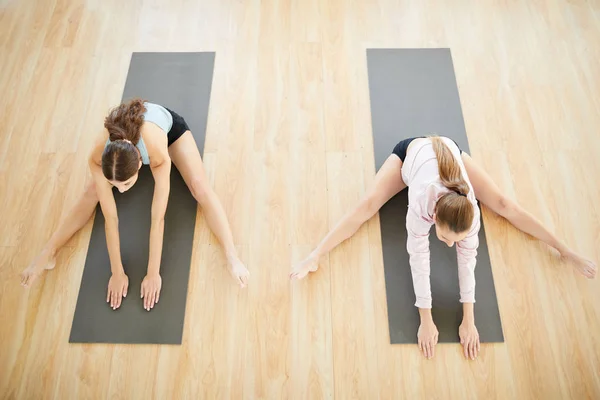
(425, 314)
(156, 244)
(111, 229)
(218, 224)
(468, 313)
(162, 188)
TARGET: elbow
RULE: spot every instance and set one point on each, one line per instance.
(111, 220)
(158, 218)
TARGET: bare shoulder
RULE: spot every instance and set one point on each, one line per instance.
(156, 142)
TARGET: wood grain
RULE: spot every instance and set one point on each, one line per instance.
(288, 150)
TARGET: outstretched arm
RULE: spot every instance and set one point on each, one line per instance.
(417, 246)
(152, 283)
(466, 252)
(118, 283)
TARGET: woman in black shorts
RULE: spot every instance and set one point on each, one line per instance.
(444, 187)
(140, 133)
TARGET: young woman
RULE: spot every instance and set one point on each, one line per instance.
(443, 185)
(140, 133)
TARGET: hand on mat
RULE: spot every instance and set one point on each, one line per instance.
(117, 289)
(239, 272)
(427, 338)
(469, 338)
(151, 290)
(303, 268)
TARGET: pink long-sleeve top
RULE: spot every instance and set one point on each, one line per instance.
(420, 173)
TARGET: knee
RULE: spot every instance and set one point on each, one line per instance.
(200, 190)
(366, 208)
(506, 207)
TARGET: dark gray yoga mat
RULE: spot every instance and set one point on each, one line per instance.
(181, 82)
(413, 92)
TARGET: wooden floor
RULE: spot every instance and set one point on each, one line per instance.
(289, 150)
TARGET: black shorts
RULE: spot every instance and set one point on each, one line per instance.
(179, 127)
(400, 149)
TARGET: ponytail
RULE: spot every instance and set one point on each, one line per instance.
(125, 121)
(120, 159)
(454, 210)
(449, 169)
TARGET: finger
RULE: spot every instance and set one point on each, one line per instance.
(153, 299)
(119, 297)
(437, 336)
(239, 280)
(472, 349)
(150, 298)
(125, 290)
(478, 346)
(466, 349)
(420, 344)
(107, 295)
(469, 348)
(157, 295)
(143, 295)
(428, 346)
(146, 299)
(432, 349)
(113, 300)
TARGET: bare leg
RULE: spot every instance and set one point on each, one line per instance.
(388, 182)
(489, 194)
(74, 221)
(186, 157)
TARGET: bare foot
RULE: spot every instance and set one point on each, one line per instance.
(239, 272)
(585, 267)
(42, 262)
(303, 268)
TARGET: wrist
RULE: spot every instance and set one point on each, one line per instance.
(231, 255)
(153, 270)
(117, 269)
(315, 254)
(468, 313)
(425, 314)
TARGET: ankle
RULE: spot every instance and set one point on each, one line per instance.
(50, 252)
(232, 257)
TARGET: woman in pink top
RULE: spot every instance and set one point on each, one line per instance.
(444, 185)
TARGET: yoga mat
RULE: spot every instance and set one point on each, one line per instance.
(413, 92)
(182, 83)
